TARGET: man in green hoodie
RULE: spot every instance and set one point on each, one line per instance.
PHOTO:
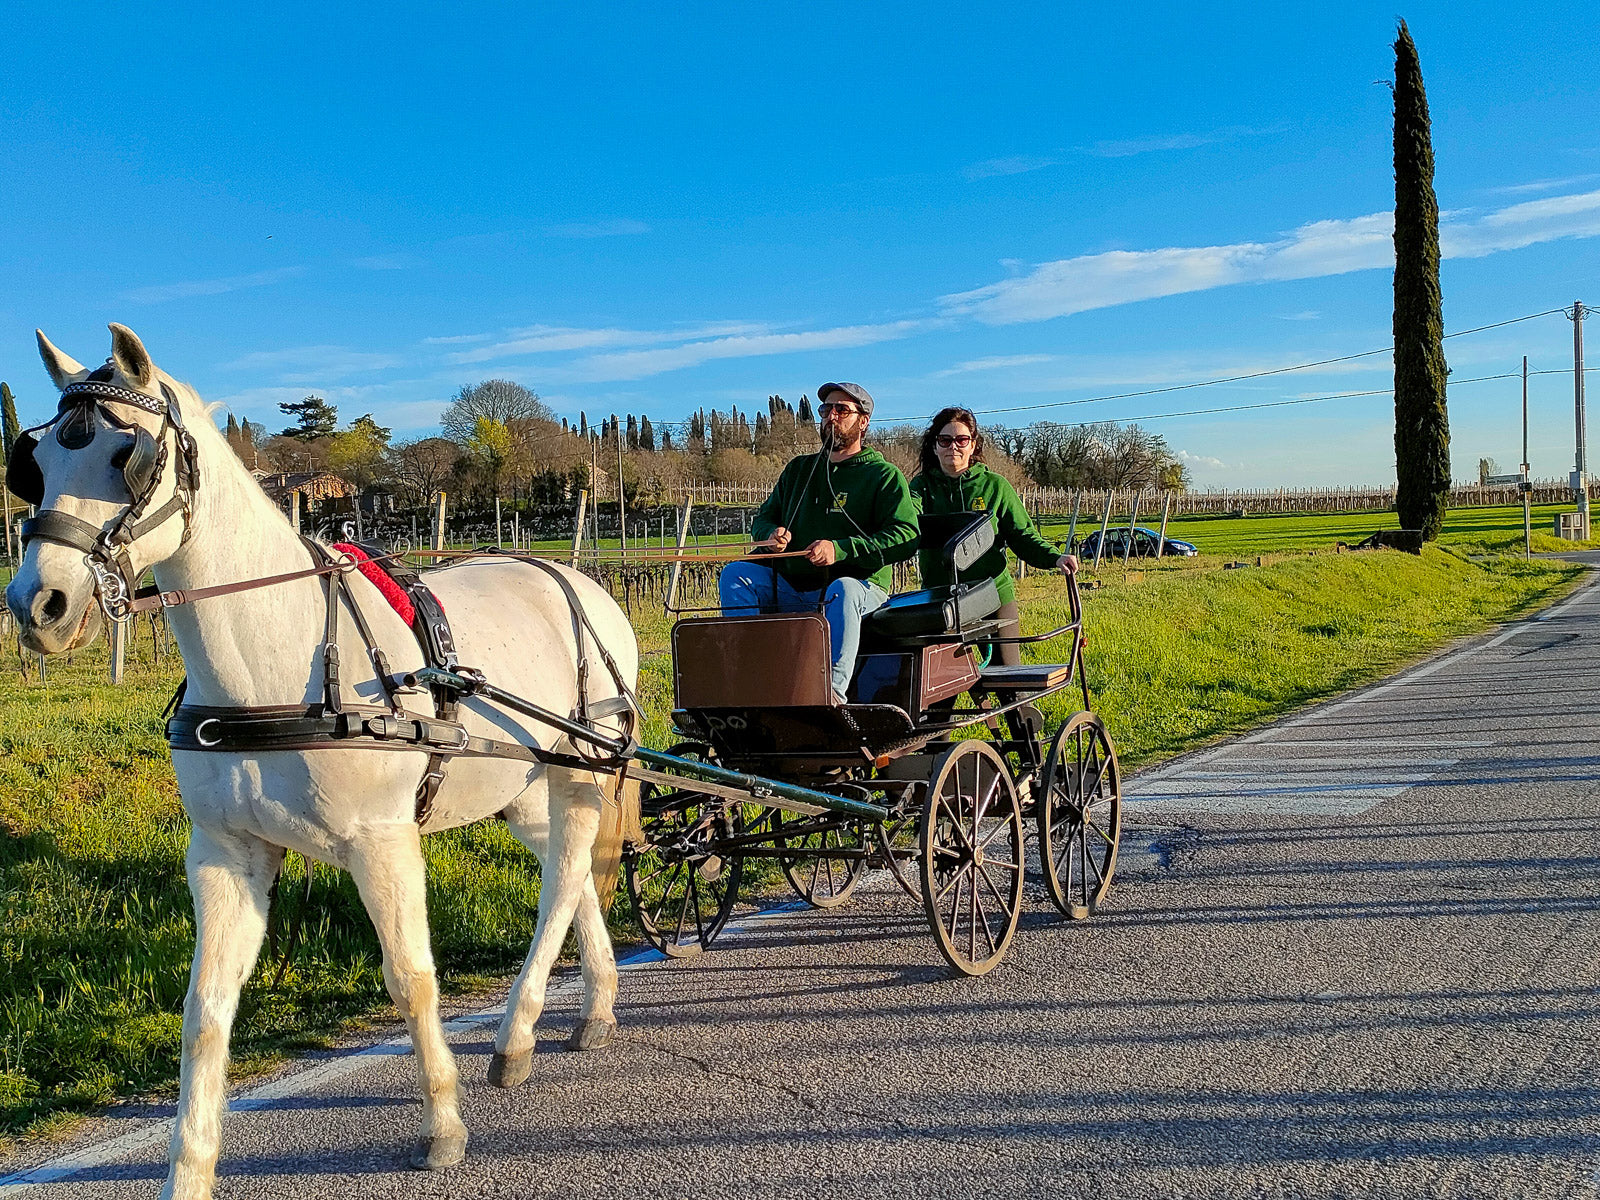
(850, 510)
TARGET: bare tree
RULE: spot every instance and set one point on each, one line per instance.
(422, 467)
(494, 400)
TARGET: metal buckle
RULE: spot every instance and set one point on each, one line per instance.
(110, 588)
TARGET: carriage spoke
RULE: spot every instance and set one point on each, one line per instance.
(683, 909)
(972, 920)
(955, 909)
(699, 918)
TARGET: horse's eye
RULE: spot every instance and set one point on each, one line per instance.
(120, 458)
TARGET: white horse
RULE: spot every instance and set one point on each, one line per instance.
(349, 806)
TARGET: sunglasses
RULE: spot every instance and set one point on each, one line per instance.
(947, 441)
(844, 410)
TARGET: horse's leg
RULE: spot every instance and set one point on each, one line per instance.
(386, 863)
(574, 820)
(597, 1023)
(229, 878)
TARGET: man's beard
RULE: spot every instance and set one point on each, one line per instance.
(832, 439)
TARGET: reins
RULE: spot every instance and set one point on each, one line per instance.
(149, 599)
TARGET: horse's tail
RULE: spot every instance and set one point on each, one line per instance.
(619, 819)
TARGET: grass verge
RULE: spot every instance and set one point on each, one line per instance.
(97, 926)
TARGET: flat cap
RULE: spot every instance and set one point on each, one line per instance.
(854, 390)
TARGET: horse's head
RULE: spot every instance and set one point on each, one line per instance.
(112, 475)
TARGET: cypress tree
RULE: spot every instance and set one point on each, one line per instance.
(806, 414)
(647, 434)
(1421, 421)
(10, 427)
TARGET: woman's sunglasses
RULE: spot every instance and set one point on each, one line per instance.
(948, 441)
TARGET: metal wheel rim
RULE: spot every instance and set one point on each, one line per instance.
(1079, 833)
(972, 904)
(820, 881)
(684, 910)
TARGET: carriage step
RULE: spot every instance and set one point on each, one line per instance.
(1029, 676)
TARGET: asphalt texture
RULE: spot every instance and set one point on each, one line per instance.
(1354, 954)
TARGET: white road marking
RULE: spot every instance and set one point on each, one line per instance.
(1251, 775)
(329, 1070)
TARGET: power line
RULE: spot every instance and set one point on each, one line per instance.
(683, 426)
(1181, 387)
(1203, 412)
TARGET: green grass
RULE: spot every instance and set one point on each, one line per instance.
(1483, 530)
(97, 929)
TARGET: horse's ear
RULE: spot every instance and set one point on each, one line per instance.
(132, 359)
(63, 368)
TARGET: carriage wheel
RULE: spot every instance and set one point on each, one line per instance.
(1080, 815)
(821, 880)
(682, 892)
(971, 861)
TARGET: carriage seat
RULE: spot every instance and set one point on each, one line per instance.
(932, 613)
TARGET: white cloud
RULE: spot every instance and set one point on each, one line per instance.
(1526, 224)
(1177, 141)
(1017, 164)
(158, 293)
(457, 339)
(636, 364)
(1540, 185)
(313, 364)
(1321, 248)
(553, 339)
(1201, 460)
(622, 227)
(996, 362)
(1309, 314)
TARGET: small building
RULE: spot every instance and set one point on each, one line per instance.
(312, 486)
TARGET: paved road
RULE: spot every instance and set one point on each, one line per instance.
(1354, 954)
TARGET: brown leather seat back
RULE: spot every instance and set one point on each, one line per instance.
(767, 661)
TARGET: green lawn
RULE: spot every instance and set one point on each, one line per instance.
(1476, 529)
(97, 931)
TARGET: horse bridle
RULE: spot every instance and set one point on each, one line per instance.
(106, 550)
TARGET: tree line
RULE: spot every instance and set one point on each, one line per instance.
(499, 439)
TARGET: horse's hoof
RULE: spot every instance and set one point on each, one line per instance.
(592, 1033)
(437, 1153)
(510, 1070)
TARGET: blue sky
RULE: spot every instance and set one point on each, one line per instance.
(654, 208)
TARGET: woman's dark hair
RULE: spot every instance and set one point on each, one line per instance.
(928, 456)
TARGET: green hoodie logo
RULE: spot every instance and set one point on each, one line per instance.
(840, 499)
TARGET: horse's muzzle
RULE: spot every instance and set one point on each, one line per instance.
(52, 620)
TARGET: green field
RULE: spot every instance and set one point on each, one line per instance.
(1478, 530)
(97, 931)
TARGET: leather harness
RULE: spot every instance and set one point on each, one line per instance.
(330, 722)
(333, 722)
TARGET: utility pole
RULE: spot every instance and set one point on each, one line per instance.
(1580, 477)
(1527, 483)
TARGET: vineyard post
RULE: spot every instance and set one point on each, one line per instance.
(677, 567)
(116, 633)
(294, 510)
(1105, 523)
(1161, 542)
(1127, 545)
(1072, 529)
(499, 529)
(438, 520)
(577, 527)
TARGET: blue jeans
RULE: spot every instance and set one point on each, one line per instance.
(746, 588)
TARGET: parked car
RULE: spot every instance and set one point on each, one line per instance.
(1144, 544)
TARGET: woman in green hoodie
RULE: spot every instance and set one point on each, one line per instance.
(952, 479)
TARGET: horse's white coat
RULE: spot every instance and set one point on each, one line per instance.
(353, 808)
